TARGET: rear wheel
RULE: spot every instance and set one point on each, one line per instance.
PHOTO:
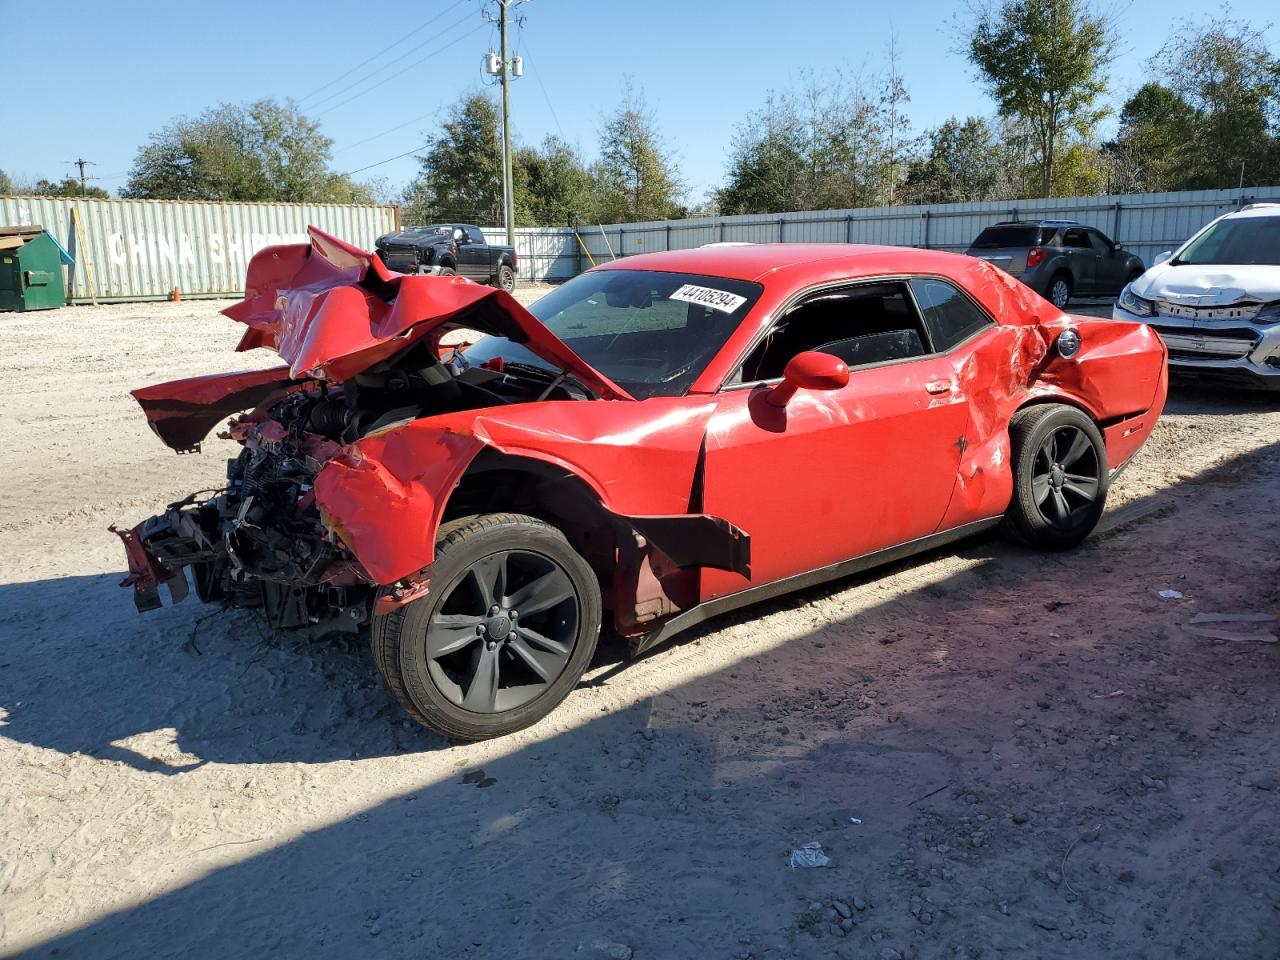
(506, 278)
(504, 634)
(1060, 476)
(446, 271)
(1060, 290)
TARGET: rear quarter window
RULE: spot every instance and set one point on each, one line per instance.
(949, 315)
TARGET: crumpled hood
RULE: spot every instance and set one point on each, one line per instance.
(331, 311)
(1209, 286)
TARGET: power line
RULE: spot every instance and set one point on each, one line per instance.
(378, 136)
(545, 96)
(370, 59)
(423, 146)
(396, 73)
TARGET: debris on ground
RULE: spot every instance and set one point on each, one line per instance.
(810, 855)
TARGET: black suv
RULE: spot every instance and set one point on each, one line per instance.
(1058, 259)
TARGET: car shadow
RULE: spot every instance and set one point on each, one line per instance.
(944, 773)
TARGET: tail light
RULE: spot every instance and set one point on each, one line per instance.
(1035, 256)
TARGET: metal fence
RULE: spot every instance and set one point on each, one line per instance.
(1146, 223)
(144, 249)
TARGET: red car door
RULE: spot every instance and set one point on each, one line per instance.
(838, 474)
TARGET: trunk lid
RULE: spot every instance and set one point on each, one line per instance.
(331, 311)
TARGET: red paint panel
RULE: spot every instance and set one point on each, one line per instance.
(333, 311)
(182, 412)
(386, 496)
(834, 474)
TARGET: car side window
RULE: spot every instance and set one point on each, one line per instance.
(949, 316)
(1076, 238)
(1100, 243)
(863, 325)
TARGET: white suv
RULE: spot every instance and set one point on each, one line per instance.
(1216, 300)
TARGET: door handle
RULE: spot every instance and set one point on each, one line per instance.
(939, 386)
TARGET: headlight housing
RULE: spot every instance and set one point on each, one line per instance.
(1132, 303)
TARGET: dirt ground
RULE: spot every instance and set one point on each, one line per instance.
(1002, 753)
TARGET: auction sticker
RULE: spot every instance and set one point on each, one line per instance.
(720, 300)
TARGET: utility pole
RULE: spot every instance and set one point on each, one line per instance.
(84, 180)
(506, 68)
(508, 191)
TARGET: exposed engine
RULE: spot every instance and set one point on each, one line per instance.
(260, 541)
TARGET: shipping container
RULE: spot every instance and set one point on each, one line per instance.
(145, 249)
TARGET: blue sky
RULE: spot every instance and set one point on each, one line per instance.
(124, 70)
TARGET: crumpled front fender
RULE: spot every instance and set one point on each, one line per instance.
(385, 496)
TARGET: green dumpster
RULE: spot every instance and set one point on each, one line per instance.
(30, 270)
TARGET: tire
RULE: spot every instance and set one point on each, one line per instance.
(506, 278)
(440, 675)
(1059, 292)
(446, 272)
(1059, 476)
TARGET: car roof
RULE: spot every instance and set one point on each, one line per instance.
(1260, 209)
(756, 261)
(1038, 223)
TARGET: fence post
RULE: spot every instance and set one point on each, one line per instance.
(848, 228)
(668, 236)
(780, 223)
(1115, 222)
(925, 216)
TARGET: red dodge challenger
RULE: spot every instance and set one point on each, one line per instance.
(661, 439)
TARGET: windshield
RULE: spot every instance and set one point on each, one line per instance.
(651, 333)
(1248, 240)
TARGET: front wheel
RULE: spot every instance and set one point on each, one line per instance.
(1059, 476)
(505, 633)
(506, 278)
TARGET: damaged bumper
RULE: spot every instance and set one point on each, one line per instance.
(1237, 350)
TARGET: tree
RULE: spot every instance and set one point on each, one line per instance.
(1044, 62)
(1150, 151)
(767, 164)
(70, 187)
(460, 176)
(6, 184)
(1230, 80)
(553, 186)
(259, 151)
(963, 162)
(829, 145)
(635, 177)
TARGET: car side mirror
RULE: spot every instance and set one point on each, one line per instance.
(1161, 258)
(809, 370)
(1117, 246)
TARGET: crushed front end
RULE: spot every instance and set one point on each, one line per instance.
(260, 541)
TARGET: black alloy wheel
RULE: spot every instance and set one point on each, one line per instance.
(1066, 479)
(1060, 476)
(504, 632)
